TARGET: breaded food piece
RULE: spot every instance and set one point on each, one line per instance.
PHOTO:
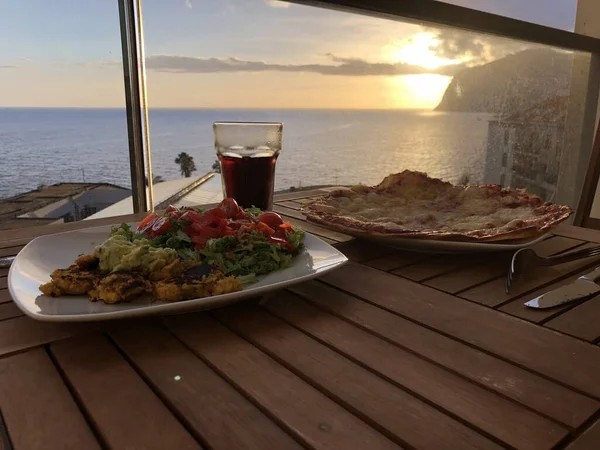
(71, 281)
(174, 270)
(87, 262)
(187, 288)
(120, 287)
(51, 289)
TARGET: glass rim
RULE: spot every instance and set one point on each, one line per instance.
(216, 124)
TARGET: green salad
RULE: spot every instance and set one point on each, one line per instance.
(245, 243)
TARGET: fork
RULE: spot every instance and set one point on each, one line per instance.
(526, 255)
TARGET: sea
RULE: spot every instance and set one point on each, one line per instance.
(41, 146)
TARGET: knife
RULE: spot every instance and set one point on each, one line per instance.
(582, 287)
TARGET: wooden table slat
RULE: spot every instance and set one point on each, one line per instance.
(3, 272)
(3, 283)
(323, 233)
(123, 408)
(288, 212)
(537, 348)
(43, 230)
(5, 296)
(582, 321)
(493, 294)
(583, 234)
(5, 242)
(299, 195)
(397, 260)
(358, 250)
(465, 278)
(9, 310)
(438, 265)
(290, 204)
(10, 251)
(497, 416)
(517, 308)
(300, 408)
(589, 440)
(37, 407)
(537, 393)
(23, 332)
(218, 414)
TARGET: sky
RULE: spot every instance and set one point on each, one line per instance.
(244, 54)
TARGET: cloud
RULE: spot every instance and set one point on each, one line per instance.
(473, 48)
(341, 66)
(188, 4)
(277, 4)
(7, 66)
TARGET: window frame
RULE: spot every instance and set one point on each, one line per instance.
(419, 11)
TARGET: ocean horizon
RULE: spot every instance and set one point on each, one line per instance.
(320, 146)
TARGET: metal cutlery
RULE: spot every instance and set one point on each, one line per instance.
(6, 262)
(526, 256)
(582, 287)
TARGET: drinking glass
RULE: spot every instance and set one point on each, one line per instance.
(247, 153)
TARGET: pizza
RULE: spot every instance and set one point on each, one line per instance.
(413, 205)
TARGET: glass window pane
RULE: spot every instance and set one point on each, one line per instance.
(362, 97)
(552, 13)
(63, 137)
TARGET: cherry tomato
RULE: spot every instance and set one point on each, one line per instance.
(230, 207)
(146, 223)
(272, 219)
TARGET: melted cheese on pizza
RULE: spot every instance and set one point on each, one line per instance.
(411, 202)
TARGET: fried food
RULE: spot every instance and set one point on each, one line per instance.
(120, 287)
(70, 281)
(88, 262)
(174, 270)
(186, 288)
(179, 280)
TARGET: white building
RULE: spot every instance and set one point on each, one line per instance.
(524, 149)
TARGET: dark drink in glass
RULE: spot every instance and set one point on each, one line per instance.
(248, 154)
(249, 180)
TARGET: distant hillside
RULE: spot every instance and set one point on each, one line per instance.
(513, 83)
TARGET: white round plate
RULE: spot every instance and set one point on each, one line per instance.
(33, 265)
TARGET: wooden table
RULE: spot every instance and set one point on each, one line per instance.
(394, 350)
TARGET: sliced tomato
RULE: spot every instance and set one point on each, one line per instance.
(171, 209)
(204, 230)
(219, 212)
(146, 223)
(264, 228)
(160, 226)
(281, 242)
(272, 219)
(190, 216)
(283, 230)
(230, 207)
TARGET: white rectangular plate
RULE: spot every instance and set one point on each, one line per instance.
(33, 265)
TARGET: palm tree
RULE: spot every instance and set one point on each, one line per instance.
(216, 167)
(186, 164)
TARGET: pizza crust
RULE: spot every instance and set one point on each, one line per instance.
(412, 205)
